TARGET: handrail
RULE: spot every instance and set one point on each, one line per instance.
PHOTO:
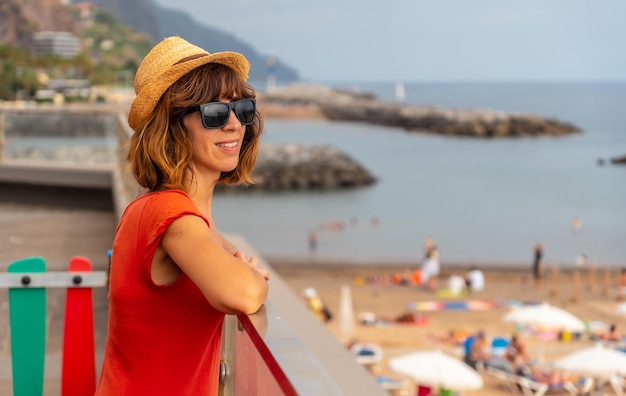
(312, 358)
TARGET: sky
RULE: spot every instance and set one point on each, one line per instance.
(435, 40)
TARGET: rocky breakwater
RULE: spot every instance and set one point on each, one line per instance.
(304, 167)
(278, 167)
(621, 160)
(344, 105)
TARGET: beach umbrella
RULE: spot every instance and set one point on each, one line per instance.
(545, 316)
(597, 361)
(437, 369)
(621, 308)
(346, 314)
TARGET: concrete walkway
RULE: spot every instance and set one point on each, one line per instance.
(56, 224)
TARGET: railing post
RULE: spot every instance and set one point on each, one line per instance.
(227, 358)
(27, 316)
(78, 369)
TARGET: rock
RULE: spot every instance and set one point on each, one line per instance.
(619, 160)
(343, 105)
(299, 167)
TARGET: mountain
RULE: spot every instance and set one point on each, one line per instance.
(176, 23)
(160, 22)
(140, 14)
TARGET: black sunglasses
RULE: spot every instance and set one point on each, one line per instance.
(216, 114)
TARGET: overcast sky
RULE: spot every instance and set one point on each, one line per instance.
(435, 40)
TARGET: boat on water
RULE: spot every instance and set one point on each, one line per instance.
(400, 92)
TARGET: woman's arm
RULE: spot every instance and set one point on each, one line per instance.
(230, 282)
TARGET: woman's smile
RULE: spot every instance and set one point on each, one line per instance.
(229, 146)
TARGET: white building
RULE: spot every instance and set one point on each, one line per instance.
(63, 44)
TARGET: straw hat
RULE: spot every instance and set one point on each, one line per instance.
(168, 61)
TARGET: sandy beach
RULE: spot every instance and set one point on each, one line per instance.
(591, 297)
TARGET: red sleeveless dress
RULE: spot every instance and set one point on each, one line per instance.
(161, 340)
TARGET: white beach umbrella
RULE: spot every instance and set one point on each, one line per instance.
(346, 320)
(597, 361)
(437, 369)
(621, 308)
(546, 316)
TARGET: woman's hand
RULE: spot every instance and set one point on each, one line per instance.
(253, 263)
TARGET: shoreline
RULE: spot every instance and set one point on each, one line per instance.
(338, 264)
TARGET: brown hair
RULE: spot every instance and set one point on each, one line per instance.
(160, 150)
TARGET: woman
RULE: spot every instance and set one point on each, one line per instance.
(173, 277)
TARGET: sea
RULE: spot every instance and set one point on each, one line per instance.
(483, 201)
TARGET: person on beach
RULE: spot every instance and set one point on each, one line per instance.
(316, 305)
(429, 246)
(312, 237)
(475, 279)
(476, 354)
(612, 334)
(516, 354)
(581, 260)
(430, 267)
(452, 337)
(538, 263)
(173, 276)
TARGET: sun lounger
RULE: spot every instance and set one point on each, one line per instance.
(506, 378)
(529, 387)
(394, 386)
(534, 388)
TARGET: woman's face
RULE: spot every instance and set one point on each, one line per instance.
(214, 150)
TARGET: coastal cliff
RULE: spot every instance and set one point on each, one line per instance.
(343, 105)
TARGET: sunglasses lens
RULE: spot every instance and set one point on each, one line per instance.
(215, 115)
(245, 109)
